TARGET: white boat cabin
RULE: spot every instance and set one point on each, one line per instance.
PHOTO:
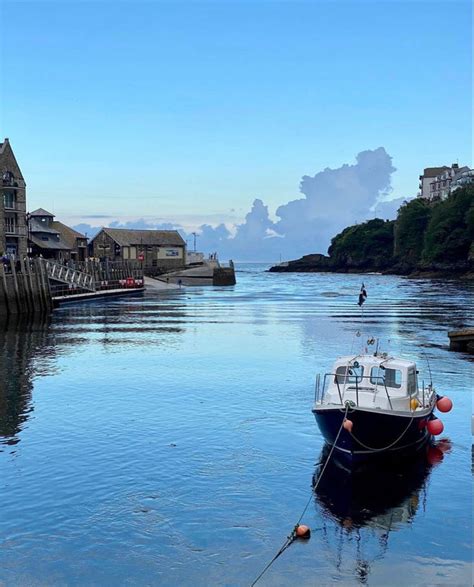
(373, 382)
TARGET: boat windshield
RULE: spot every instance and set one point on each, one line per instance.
(349, 375)
(391, 377)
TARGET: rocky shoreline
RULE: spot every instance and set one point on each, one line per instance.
(318, 263)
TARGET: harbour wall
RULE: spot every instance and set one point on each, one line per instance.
(24, 288)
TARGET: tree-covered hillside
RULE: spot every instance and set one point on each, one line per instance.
(448, 236)
(367, 245)
(426, 237)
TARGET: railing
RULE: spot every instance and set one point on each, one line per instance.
(64, 290)
(72, 277)
(351, 383)
(94, 276)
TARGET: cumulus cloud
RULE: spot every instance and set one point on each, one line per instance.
(387, 209)
(334, 199)
(330, 200)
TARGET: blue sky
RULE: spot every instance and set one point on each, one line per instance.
(187, 111)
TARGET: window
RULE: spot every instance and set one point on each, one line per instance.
(391, 377)
(411, 381)
(9, 199)
(10, 224)
(347, 374)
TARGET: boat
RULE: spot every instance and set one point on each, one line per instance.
(373, 405)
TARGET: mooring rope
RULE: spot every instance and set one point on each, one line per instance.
(291, 538)
(388, 445)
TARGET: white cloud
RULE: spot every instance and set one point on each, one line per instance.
(331, 200)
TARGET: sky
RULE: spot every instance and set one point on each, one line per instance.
(209, 116)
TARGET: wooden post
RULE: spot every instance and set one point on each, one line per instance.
(48, 302)
(3, 292)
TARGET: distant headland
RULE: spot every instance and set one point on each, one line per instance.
(427, 239)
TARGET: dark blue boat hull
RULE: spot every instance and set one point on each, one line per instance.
(373, 434)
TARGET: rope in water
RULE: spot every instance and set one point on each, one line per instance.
(290, 539)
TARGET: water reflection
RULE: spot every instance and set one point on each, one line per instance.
(29, 349)
(361, 509)
(20, 343)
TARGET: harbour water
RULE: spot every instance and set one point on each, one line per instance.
(168, 439)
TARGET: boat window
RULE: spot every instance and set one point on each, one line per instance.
(346, 374)
(411, 382)
(391, 377)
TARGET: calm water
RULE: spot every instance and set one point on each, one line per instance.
(169, 440)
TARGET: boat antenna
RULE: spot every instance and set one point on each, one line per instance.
(429, 367)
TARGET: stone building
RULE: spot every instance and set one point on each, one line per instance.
(158, 250)
(13, 234)
(54, 240)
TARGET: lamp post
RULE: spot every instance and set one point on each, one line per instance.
(195, 235)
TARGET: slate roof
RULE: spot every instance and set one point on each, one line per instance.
(41, 212)
(37, 226)
(52, 245)
(434, 171)
(68, 234)
(8, 160)
(125, 237)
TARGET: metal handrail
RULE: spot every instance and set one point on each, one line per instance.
(378, 379)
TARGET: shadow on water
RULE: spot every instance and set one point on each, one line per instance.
(21, 342)
(371, 503)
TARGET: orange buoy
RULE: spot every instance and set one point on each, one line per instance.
(303, 531)
(347, 425)
(444, 404)
(444, 445)
(414, 403)
(435, 426)
(434, 455)
(421, 424)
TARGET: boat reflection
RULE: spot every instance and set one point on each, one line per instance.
(366, 505)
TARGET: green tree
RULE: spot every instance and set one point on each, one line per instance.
(449, 233)
(367, 245)
(410, 226)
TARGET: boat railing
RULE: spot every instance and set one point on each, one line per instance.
(351, 383)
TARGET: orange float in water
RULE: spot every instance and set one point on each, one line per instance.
(435, 455)
(347, 425)
(303, 531)
(444, 445)
(435, 426)
(421, 424)
(444, 404)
